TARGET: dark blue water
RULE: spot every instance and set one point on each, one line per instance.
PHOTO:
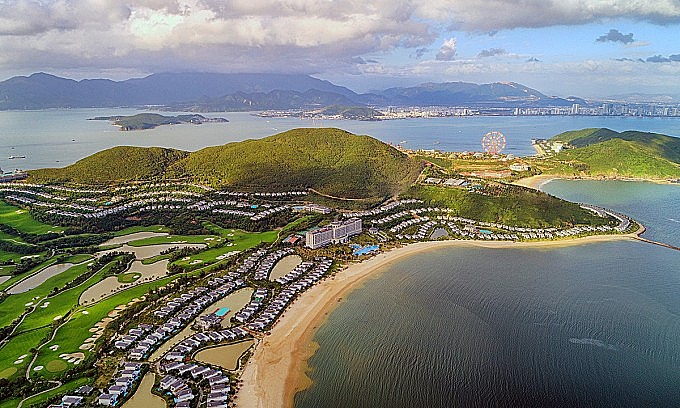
(594, 325)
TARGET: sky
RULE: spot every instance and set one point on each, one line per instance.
(587, 48)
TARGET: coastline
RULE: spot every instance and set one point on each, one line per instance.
(538, 181)
(277, 369)
(535, 182)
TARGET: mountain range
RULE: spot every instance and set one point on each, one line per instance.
(203, 92)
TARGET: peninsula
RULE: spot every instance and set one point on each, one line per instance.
(111, 273)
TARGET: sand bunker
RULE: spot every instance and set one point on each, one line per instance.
(132, 237)
(110, 285)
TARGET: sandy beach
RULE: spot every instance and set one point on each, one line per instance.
(276, 370)
(535, 182)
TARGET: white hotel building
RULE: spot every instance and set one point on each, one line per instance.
(337, 232)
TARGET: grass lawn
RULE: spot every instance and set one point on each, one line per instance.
(21, 219)
(40, 400)
(129, 277)
(132, 230)
(241, 241)
(169, 239)
(20, 345)
(10, 403)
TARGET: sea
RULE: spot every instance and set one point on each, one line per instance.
(592, 325)
(56, 138)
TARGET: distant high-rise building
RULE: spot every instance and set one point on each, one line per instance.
(574, 109)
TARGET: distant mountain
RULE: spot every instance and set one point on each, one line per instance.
(465, 93)
(203, 92)
(42, 91)
(277, 99)
(604, 152)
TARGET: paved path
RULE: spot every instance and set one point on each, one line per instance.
(57, 385)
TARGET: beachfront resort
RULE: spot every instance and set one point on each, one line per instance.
(164, 319)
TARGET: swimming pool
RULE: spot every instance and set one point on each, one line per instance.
(366, 250)
(222, 311)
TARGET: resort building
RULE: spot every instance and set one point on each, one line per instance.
(12, 176)
(337, 232)
(519, 167)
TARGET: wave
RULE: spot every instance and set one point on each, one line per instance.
(593, 342)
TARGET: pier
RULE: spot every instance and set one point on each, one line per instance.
(663, 244)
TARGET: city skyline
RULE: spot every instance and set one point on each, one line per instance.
(598, 49)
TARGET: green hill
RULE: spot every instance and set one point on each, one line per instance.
(604, 152)
(331, 161)
(121, 163)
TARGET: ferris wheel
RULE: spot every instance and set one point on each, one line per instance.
(493, 142)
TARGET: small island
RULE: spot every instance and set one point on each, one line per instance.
(144, 121)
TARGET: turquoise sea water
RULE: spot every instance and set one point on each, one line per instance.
(657, 206)
(594, 325)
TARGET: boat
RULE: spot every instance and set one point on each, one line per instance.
(16, 157)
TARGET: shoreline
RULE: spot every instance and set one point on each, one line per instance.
(276, 371)
(538, 181)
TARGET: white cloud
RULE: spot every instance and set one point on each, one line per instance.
(493, 15)
(203, 34)
(447, 51)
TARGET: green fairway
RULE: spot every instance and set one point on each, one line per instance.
(19, 346)
(60, 304)
(239, 240)
(21, 219)
(8, 255)
(40, 321)
(10, 403)
(74, 333)
(132, 230)
(14, 305)
(209, 240)
(78, 258)
(42, 399)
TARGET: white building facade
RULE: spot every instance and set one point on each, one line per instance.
(337, 232)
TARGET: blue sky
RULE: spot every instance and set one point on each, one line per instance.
(549, 45)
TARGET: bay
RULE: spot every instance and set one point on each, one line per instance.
(656, 206)
(579, 326)
(56, 138)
